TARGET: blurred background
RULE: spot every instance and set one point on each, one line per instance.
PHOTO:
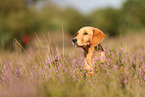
(21, 19)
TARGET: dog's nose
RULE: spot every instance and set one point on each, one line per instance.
(74, 40)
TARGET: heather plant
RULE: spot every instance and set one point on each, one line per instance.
(47, 73)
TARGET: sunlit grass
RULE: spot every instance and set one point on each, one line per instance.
(43, 71)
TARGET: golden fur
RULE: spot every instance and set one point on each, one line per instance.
(89, 39)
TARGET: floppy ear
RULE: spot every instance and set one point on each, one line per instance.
(98, 37)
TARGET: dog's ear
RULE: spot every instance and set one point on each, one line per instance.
(98, 37)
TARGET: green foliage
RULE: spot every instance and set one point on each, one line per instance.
(17, 24)
(114, 22)
(10, 6)
(20, 17)
(16, 20)
(134, 13)
(107, 20)
(51, 18)
(74, 20)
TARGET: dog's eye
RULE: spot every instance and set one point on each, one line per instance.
(85, 33)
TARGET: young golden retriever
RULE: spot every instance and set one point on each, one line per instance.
(89, 38)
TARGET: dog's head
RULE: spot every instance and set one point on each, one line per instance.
(88, 36)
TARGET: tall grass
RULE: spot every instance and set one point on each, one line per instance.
(45, 72)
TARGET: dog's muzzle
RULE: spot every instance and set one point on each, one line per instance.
(74, 40)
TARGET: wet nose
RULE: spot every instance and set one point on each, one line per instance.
(74, 40)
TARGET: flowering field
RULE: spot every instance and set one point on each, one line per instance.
(46, 71)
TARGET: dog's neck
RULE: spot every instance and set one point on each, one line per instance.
(99, 47)
(91, 50)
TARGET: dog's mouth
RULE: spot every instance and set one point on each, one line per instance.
(82, 45)
(76, 45)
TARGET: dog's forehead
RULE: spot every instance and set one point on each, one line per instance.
(86, 29)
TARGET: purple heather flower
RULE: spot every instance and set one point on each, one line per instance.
(134, 55)
(47, 62)
(6, 75)
(59, 65)
(125, 81)
(66, 62)
(141, 60)
(109, 60)
(115, 66)
(130, 74)
(108, 49)
(121, 85)
(4, 66)
(65, 69)
(18, 73)
(31, 73)
(139, 70)
(144, 77)
(113, 55)
(108, 63)
(121, 49)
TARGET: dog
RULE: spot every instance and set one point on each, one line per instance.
(89, 38)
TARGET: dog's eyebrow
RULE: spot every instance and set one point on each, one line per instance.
(85, 32)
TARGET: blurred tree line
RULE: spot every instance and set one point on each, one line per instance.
(25, 17)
